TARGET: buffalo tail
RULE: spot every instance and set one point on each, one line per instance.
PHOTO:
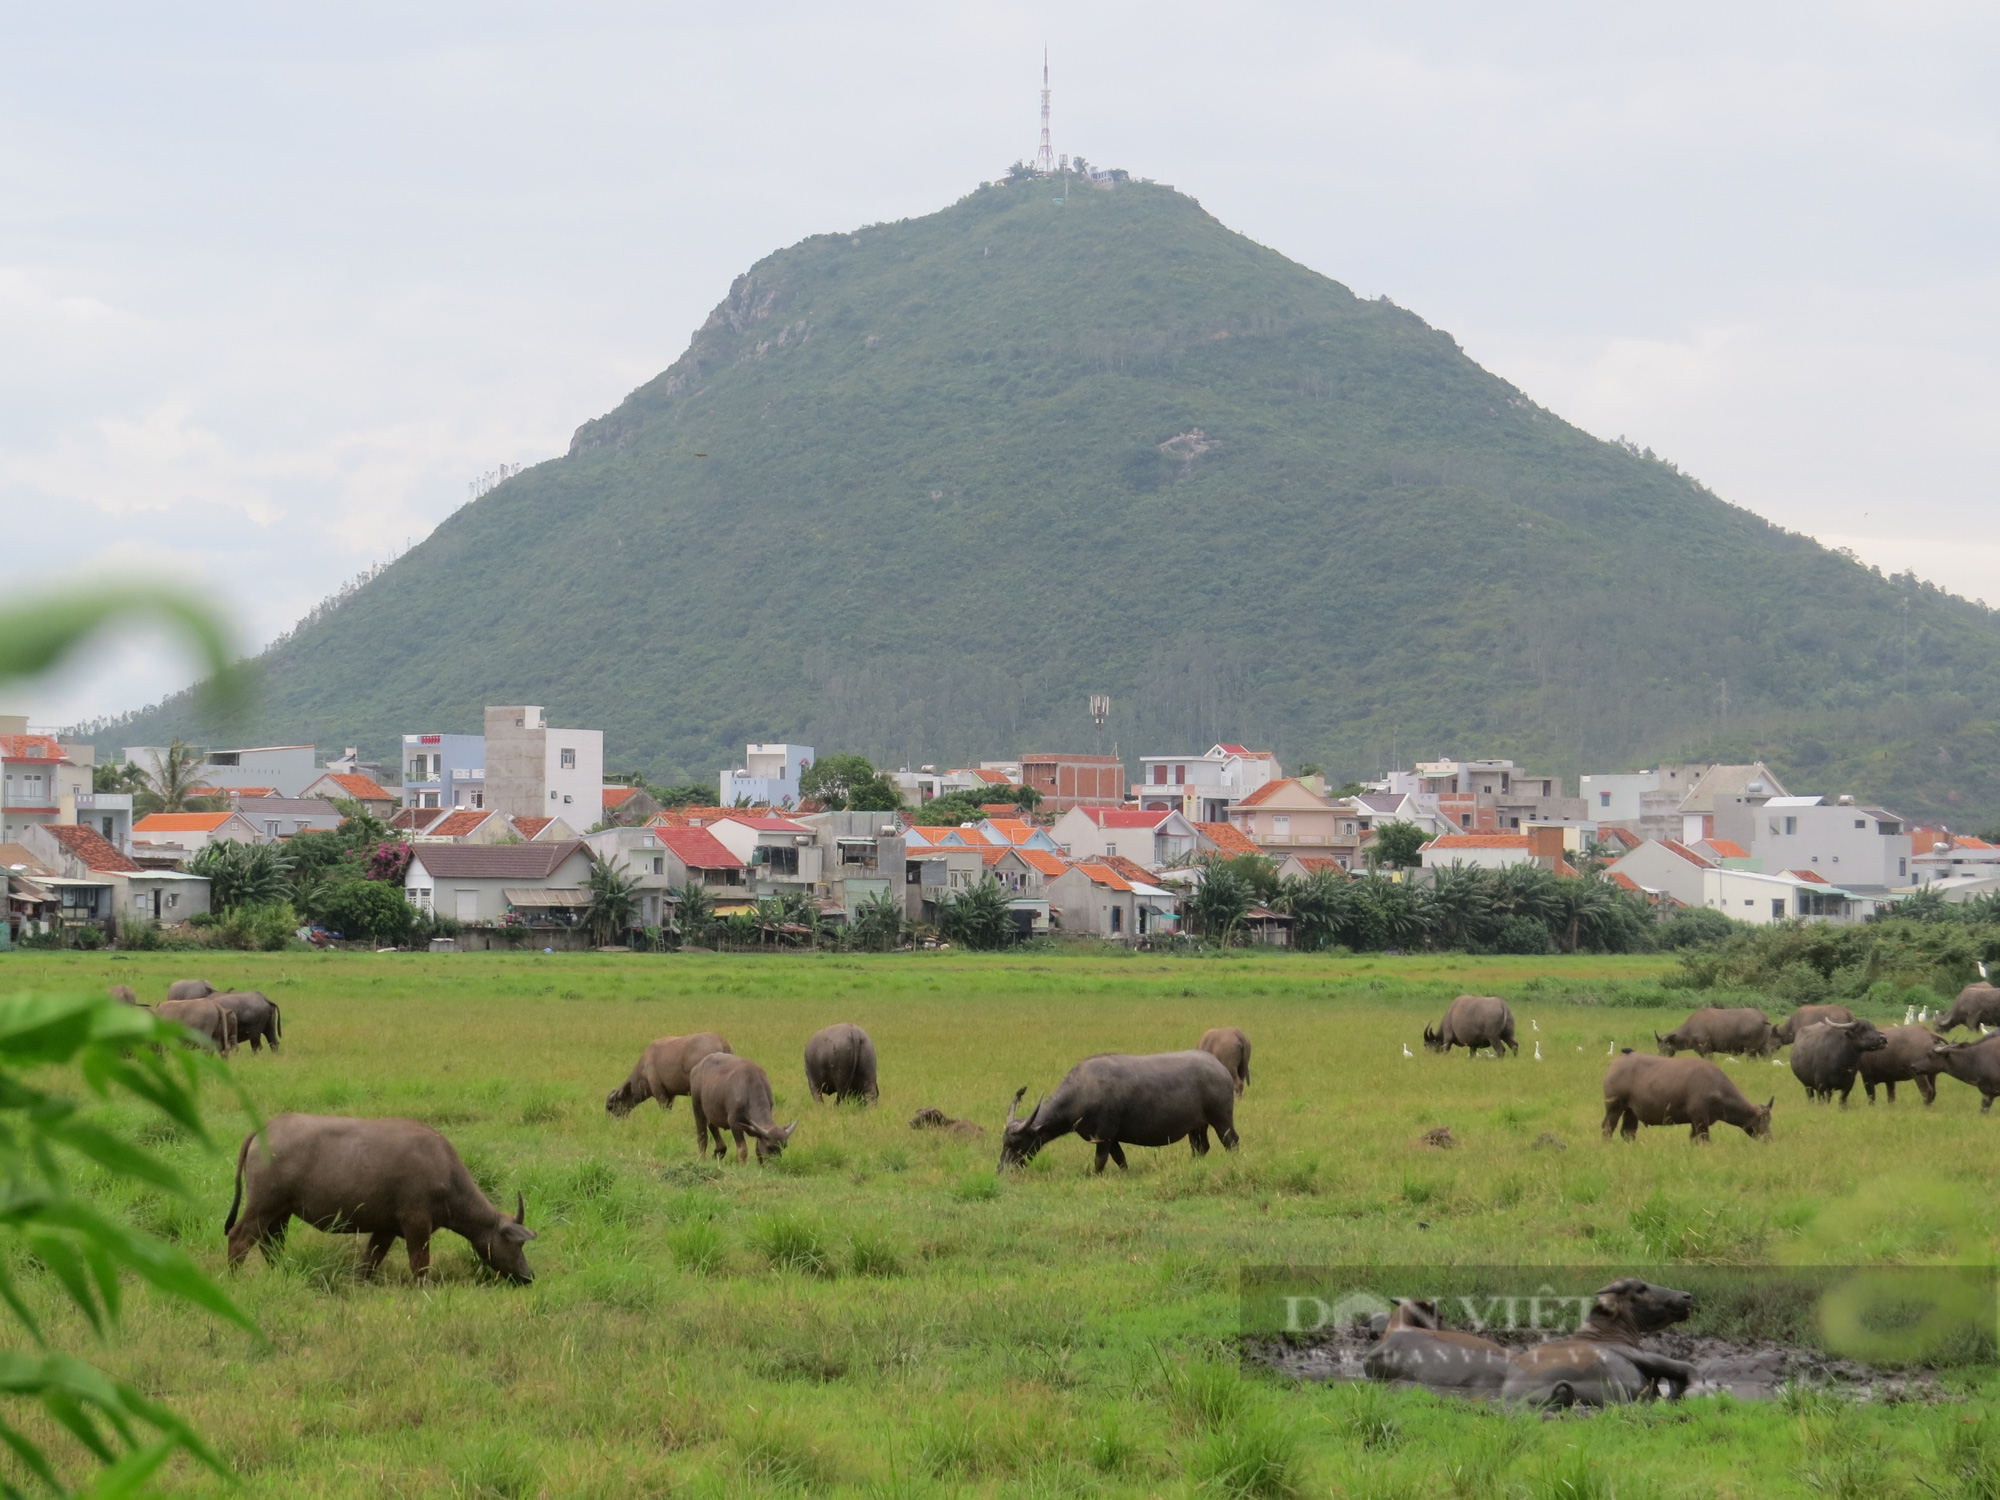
(237, 1201)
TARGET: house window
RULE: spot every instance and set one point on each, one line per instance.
(1902, 867)
(1777, 908)
(109, 824)
(479, 799)
(270, 828)
(1748, 902)
(1110, 851)
(659, 864)
(1159, 776)
(1465, 820)
(1604, 799)
(569, 760)
(416, 768)
(1513, 822)
(1860, 822)
(1281, 827)
(781, 860)
(1791, 825)
(1180, 775)
(1117, 919)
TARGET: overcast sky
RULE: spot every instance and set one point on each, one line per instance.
(277, 284)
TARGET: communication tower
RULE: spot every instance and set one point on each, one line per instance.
(1045, 159)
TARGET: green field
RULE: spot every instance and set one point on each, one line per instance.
(879, 1313)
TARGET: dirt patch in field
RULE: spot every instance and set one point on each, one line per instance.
(1749, 1372)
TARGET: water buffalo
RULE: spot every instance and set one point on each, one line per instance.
(1472, 1022)
(1975, 1063)
(1827, 1056)
(1115, 1099)
(381, 1178)
(1640, 1089)
(1788, 1030)
(1231, 1048)
(840, 1061)
(731, 1093)
(1977, 1005)
(1602, 1364)
(932, 1118)
(123, 994)
(1742, 1031)
(204, 1018)
(662, 1072)
(190, 989)
(1416, 1348)
(257, 1019)
(1907, 1058)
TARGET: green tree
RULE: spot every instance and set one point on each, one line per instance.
(170, 780)
(978, 918)
(832, 779)
(694, 914)
(1220, 903)
(879, 794)
(1397, 846)
(117, 779)
(243, 874)
(969, 806)
(876, 923)
(614, 903)
(1319, 904)
(366, 911)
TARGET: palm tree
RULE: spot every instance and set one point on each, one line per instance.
(614, 903)
(1217, 908)
(244, 874)
(1460, 904)
(694, 913)
(979, 918)
(168, 782)
(876, 923)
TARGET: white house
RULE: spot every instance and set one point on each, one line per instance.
(1498, 851)
(1153, 836)
(778, 853)
(485, 883)
(1864, 849)
(1665, 866)
(193, 832)
(1202, 788)
(536, 770)
(1095, 899)
(1750, 896)
(769, 776)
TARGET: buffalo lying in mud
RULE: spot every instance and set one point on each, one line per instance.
(1229, 1046)
(662, 1072)
(1826, 1056)
(1640, 1089)
(1977, 1005)
(1908, 1058)
(840, 1061)
(1742, 1031)
(1793, 1026)
(382, 1178)
(257, 1018)
(204, 1018)
(1416, 1348)
(1472, 1022)
(1975, 1063)
(1603, 1365)
(1116, 1099)
(731, 1093)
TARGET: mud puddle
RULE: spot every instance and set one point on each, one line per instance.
(1749, 1372)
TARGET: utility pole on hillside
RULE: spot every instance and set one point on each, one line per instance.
(1045, 159)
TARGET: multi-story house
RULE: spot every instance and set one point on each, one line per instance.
(1067, 781)
(1865, 850)
(1154, 837)
(444, 770)
(536, 770)
(39, 780)
(1204, 787)
(1286, 817)
(1493, 796)
(779, 854)
(768, 777)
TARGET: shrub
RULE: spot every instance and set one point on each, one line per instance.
(367, 910)
(261, 929)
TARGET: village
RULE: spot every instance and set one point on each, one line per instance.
(492, 839)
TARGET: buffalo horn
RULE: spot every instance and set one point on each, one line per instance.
(520, 1208)
(1770, 1101)
(1657, 1037)
(1015, 1107)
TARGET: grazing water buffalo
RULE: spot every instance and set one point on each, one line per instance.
(1640, 1089)
(731, 1093)
(381, 1178)
(1472, 1022)
(1417, 1349)
(1229, 1046)
(662, 1072)
(123, 994)
(190, 989)
(1975, 1063)
(841, 1061)
(1793, 1026)
(1115, 1099)
(1827, 1056)
(1742, 1031)
(257, 1019)
(205, 1018)
(1977, 1005)
(1603, 1365)
(1908, 1057)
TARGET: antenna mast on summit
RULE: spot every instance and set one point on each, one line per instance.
(1045, 159)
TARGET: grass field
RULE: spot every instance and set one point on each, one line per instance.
(880, 1313)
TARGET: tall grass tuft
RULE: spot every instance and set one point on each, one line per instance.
(1570, 1475)
(1968, 1458)
(977, 1187)
(1111, 1450)
(1258, 1456)
(491, 1470)
(774, 1453)
(1204, 1395)
(873, 1255)
(791, 1242)
(696, 1246)
(1838, 1456)
(1364, 1415)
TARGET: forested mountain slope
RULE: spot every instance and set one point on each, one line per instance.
(917, 489)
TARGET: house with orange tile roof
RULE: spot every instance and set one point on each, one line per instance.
(469, 825)
(281, 817)
(1287, 816)
(1300, 866)
(543, 830)
(1941, 857)
(1155, 837)
(1541, 845)
(1018, 833)
(376, 800)
(1092, 899)
(38, 779)
(628, 805)
(100, 885)
(1225, 839)
(193, 832)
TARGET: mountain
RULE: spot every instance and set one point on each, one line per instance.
(915, 490)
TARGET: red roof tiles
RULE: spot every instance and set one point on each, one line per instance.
(529, 827)
(1727, 849)
(1228, 838)
(360, 788)
(1126, 817)
(182, 822)
(93, 848)
(1479, 841)
(463, 820)
(699, 849)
